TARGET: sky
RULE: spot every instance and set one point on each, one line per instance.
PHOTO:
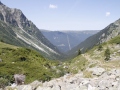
(68, 14)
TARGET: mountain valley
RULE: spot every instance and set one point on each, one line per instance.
(88, 71)
(57, 60)
(66, 40)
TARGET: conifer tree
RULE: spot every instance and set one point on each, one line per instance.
(79, 52)
(107, 54)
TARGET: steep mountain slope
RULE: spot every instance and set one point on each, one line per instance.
(104, 35)
(66, 40)
(16, 29)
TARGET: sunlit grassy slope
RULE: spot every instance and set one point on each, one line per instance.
(98, 58)
(17, 60)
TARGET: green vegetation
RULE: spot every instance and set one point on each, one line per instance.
(7, 35)
(3, 82)
(16, 60)
(87, 74)
(77, 64)
(100, 47)
(115, 40)
(107, 54)
(92, 65)
(79, 52)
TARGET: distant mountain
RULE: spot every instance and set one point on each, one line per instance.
(66, 40)
(104, 35)
(16, 29)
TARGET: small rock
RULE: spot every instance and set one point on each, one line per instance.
(114, 84)
(85, 82)
(91, 87)
(35, 84)
(24, 87)
(39, 88)
(13, 85)
(44, 88)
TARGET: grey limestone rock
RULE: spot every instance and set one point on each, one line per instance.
(98, 71)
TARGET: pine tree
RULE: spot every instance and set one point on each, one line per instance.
(79, 52)
(107, 54)
(100, 48)
(1, 40)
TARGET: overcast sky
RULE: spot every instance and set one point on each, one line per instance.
(68, 14)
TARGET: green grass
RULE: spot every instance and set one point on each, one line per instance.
(115, 40)
(92, 65)
(98, 55)
(17, 60)
(77, 64)
(87, 74)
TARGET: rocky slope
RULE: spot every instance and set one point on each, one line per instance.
(104, 35)
(109, 80)
(97, 73)
(66, 40)
(16, 29)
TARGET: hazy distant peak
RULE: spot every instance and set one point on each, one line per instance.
(1, 3)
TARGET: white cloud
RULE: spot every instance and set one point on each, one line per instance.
(53, 6)
(108, 14)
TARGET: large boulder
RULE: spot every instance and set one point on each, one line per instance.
(97, 71)
(19, 79)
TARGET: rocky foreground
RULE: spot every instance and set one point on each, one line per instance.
(102, 80)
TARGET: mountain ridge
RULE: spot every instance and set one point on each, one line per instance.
(104, 35)
(26, 32)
